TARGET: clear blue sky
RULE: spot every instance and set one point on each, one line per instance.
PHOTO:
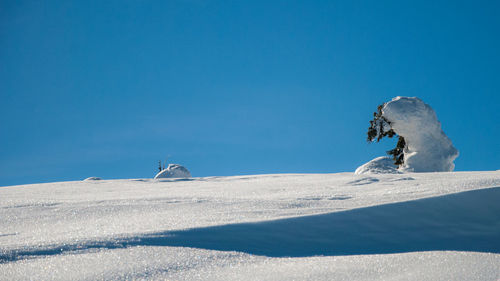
(108, 88)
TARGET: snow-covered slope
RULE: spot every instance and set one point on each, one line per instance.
(412, 226)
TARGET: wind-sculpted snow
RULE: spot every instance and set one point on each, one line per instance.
(428, 148)
(321, 227)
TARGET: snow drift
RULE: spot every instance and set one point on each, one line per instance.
(174, 171)
(420, 225)
(426, 147)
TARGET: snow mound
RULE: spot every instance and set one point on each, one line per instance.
(92, 179)
(174, 171)
(379, 165)
(428, 149)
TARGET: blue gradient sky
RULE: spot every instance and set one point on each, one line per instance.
(108, 88)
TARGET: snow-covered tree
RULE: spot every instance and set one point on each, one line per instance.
(422, 145)
(174, 171)
(379, 128)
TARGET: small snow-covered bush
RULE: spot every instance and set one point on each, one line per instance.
(92, 179)
(422, 145)
(174, 171)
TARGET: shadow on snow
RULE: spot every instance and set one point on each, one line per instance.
(467, 221)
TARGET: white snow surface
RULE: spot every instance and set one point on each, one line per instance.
(429, 149)
(411, 226)
(379, 165)
(174, 171)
